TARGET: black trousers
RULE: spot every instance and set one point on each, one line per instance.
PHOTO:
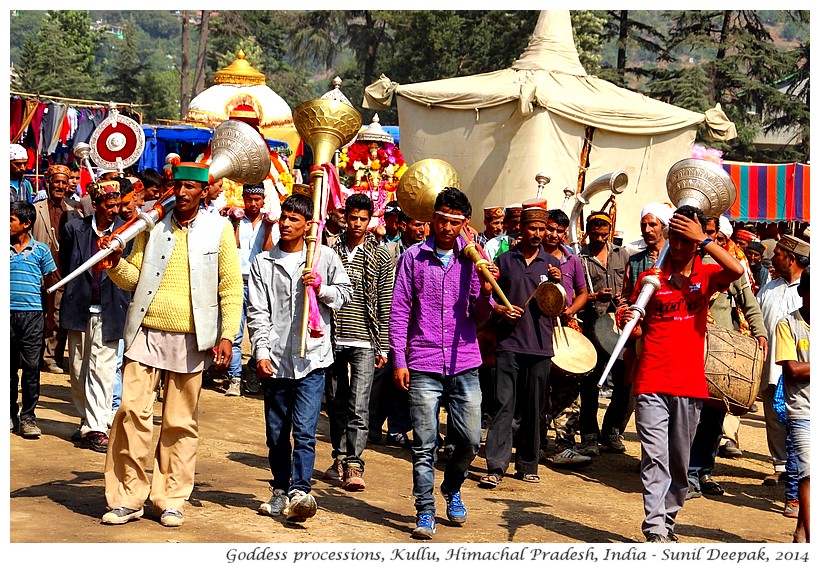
(520, 388)
(388, 402)
(27, 332)
(618, 403)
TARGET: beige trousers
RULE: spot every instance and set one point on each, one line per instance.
(129, 451)
(92, 368)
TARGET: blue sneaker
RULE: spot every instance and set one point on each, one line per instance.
(456, 511)
(425, 527)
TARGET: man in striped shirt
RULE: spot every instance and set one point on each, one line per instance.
(31, 264)
(361, 341)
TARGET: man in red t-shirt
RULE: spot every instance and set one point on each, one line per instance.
(670, 383)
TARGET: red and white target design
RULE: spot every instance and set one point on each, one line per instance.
(117, 142)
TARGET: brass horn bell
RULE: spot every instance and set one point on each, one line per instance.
(701, 184)
(420, 185)
(239, 153)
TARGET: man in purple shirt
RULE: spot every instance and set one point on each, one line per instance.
(565, 391)
(437, 302)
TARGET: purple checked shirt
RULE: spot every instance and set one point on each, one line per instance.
(435, 311)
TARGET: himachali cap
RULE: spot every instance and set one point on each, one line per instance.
(742, 234)
(58, 169)
(513, 209)
(253, 189)
(102, 190)
(538, 202)
(794, 245)
(193, 171)
(531, 214)
(17, 152)
(493, 212)
(756, 246)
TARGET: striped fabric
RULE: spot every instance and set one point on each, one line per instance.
(770, 192)
(27, 270)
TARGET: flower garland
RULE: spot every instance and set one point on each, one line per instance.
(373, 168)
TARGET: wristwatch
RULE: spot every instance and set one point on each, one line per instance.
(706, 241)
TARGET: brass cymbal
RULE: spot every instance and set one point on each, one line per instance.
(420, 185)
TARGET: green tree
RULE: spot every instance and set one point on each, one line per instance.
(125, 68)
(60, 59)
(632, 34)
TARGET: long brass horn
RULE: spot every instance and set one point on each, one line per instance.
(239, 153)
(325, 125)
(691, 181)
(614, 181)
(417, 191)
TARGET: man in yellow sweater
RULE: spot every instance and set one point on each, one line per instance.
(187, 288)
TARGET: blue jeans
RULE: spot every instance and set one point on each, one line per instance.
(348, 401)
(116, 396)
(461, 394)
(235, 367)
(292, 407)
(799, 431)
(791, 467)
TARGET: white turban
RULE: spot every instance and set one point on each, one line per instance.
(661, 211)
(18, 152)
(102, 171)
(725, 227)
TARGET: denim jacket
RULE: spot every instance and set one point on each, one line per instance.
(275, 305)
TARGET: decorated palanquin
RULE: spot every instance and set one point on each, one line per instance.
(372, 165)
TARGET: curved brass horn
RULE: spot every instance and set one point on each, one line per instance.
(417, 191)
(325, 125)
(239, 153)
(615, 182)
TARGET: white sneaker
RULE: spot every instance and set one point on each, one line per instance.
(570, 456)
(233, 388)
(277, 504)
(302, 506)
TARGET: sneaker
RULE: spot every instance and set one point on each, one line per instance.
(171, 518)
(589, 445)
(425, 527)
(657, 538)
(352, 477)
(251, 382)
(301, 506)
(121, 515)
(335, 471)
(730, 450)
(29, 429)
(614, 443)
(233, 388)
(398, 440)
(96, 441)
(792, 508)
(54, 367)
(570, 457)
(456, 511)
(276, 505)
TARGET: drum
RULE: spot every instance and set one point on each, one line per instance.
(551, 298)
(733, 366)
(605, 333)
(574, 354)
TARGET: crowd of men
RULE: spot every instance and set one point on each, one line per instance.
(399, 326)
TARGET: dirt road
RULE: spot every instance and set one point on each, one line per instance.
(56, 492)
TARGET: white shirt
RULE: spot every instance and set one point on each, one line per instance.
(247, 236)
(777, 299)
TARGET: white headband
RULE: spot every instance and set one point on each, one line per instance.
(451, 216)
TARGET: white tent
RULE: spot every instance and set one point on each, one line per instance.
(499, 129)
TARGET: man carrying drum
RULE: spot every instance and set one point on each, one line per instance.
(604, 264)
(737, 301)
(670, 384)
(522, 356)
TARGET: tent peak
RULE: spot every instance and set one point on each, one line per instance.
(551, 47)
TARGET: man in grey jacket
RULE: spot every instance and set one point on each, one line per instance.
(292, 386)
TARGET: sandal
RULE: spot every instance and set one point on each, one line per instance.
(528, 477)
(710, 487)
(490, 481)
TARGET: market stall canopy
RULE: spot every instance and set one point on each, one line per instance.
(239, 84)
(499, 129)
(770, 192)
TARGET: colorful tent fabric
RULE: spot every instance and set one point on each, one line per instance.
(770, 192)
